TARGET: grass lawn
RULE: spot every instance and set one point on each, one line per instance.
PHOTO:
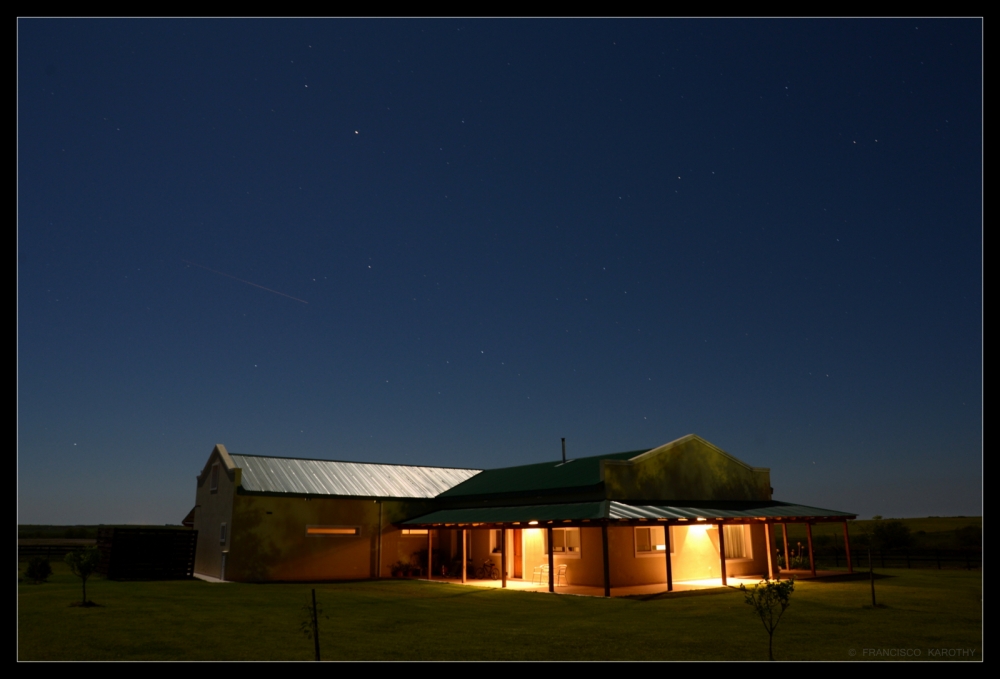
(414, 620)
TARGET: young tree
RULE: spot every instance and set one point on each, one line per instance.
(866, 540)
(310, 627)
(770, 600)
(84, 563)
(891, 534)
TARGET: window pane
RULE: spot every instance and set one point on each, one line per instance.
(735, 544)
(573, 540)
(642, 540)
(658, 539)
(559, 540)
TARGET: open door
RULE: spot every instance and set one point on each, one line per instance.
(518, 554)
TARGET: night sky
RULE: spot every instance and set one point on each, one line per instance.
(452, 242)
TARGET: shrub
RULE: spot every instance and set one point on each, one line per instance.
(39, 569)
(892, 535)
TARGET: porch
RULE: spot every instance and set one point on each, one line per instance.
(648, 563)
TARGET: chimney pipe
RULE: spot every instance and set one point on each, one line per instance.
(564, 449)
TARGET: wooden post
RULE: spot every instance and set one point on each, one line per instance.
(503, 556)
(847, 549)
(812, 561)
(670, 566)
(464, 559)
(607, 562)
(430, 550)
(315, 626)
(722, 553)
(784, 534)
(767, 542)
(552, 561)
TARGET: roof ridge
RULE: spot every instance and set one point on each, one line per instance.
(376, 464)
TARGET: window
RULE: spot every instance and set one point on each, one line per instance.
(215, 478)
(651, 541)
(414, 532)
(737, 544)
(495, 538)
(222, 534)
(320, 531)
(565, 543)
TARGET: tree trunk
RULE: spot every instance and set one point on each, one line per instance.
(871, 575)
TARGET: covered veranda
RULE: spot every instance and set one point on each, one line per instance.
(609, 513)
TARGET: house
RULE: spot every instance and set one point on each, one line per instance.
(683, 511)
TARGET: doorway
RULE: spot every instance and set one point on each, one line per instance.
(518, 554)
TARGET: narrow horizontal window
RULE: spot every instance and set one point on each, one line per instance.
(333, 530)
(414, 531)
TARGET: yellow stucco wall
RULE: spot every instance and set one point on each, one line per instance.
(687, 469)
(271, 543)
(212, 509)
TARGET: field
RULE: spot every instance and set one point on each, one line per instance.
(927, 533)
(414, 620)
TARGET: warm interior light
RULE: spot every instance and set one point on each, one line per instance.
(532, 523)
(320, 530)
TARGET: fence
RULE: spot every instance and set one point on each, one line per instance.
(894, 558)
(52, 552)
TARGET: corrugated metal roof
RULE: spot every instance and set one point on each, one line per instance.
(572, 512)
(358, 479)
(618, 510)
(581, 472)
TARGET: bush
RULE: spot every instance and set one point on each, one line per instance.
(892, 535)
(39, 569)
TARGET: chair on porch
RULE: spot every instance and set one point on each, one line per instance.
(560, 573)
(541, 573)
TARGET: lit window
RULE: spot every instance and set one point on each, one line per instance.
(414, 532)
(650, 540)
(332, 530)
(222, 534)
(215, 478)
(737, 545)
(565, 543)
(495, 538)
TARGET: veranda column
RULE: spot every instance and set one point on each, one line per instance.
(847, 549)
(722, 553)
(607, 562)
(670, 568)
(503, 556)
(430, 546)
(552, 561)
(767, 540)
(465, 550)
(784, 533)
(812, 562)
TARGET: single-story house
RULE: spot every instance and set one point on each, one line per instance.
(683, 511)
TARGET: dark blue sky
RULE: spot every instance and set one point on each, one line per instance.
(764, 232)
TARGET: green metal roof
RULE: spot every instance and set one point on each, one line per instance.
(572, 512)
(581, 472)
(611, 510)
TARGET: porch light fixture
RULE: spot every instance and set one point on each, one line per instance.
(532, 523)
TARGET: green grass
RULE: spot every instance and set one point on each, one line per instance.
(414, 620)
